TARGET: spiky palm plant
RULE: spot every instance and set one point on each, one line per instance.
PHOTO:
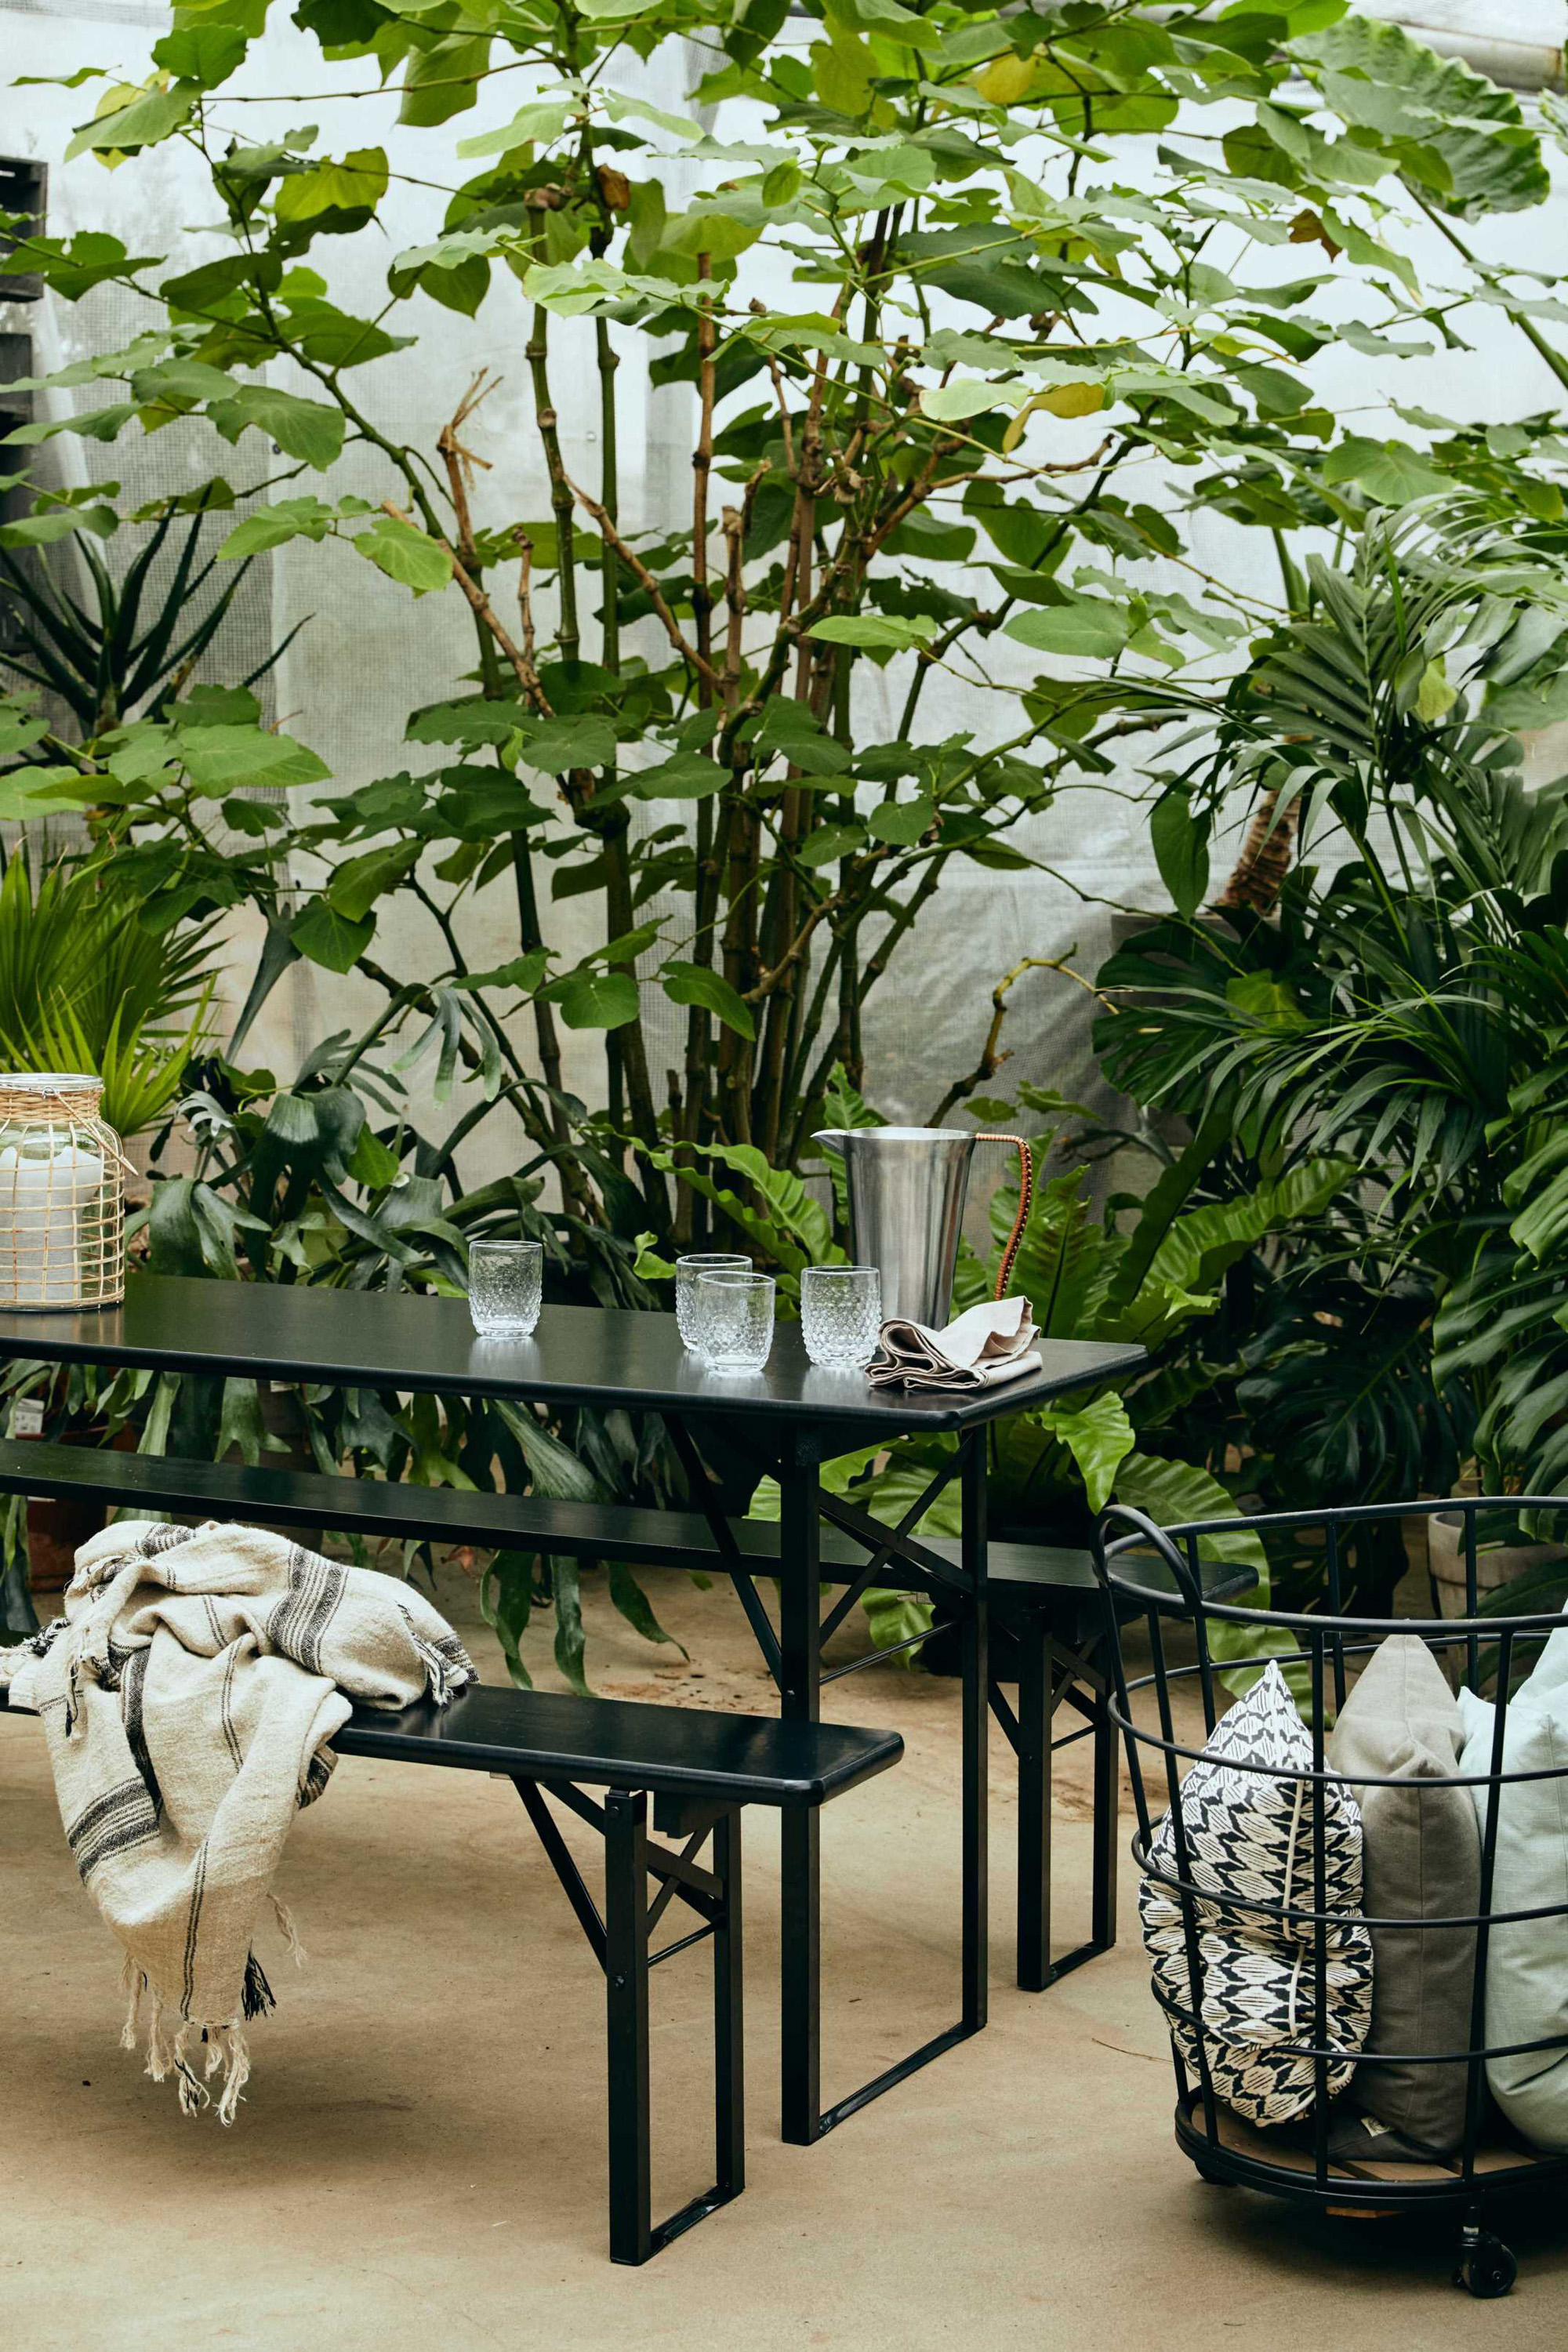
(127, 652)
(83, 986)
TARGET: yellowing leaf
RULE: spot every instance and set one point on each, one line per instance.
(1062, 400)
(841, 69)
(1005, 81)
(1435, 696)
(1073, 399)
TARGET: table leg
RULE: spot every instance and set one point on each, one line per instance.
(976, 1656)
(800, 1890)
(796, 1657)
(1034, 1806)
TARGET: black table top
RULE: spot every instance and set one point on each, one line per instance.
(579, 1355)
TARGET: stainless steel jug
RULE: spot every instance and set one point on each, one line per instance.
(907, 1187)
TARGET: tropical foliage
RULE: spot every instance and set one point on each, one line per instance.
(1042, 330)
(1402, 1008)
(991, 320)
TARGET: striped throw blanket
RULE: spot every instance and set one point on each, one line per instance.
(189, 1696)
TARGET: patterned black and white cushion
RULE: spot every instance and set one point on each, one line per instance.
(1249, 1839)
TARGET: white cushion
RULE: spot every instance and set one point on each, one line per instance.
(1527, 1963)
(1249, 1835)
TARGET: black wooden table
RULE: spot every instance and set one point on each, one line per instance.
(790, 1418)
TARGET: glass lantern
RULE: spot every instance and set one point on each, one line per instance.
(62, 1214)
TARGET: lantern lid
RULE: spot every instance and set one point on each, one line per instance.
(49, 1082)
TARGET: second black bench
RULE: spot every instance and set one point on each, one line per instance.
(701, 1771)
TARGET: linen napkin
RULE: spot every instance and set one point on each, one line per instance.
(986, 1344)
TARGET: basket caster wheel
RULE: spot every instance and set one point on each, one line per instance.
(1214, 2180)
(1486, 2268)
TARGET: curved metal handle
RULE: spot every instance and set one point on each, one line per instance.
(1026, 1203)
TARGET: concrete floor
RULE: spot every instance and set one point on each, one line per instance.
(419, 2159)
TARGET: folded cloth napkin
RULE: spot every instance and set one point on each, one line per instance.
(985, 1344)
(190, 1695)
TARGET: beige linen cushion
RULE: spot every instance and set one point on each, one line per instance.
(1420, 1860)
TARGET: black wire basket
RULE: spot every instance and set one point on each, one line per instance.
(1321, 1655)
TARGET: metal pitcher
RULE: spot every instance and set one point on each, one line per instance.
(907, 1188)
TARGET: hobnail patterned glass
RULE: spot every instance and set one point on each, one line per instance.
(686, 1271)
(840, 1315)
(506, 1283)
(732, 1320)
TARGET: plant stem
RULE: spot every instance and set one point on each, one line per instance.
(568, 636)
(1527, 327)
(701, 467)
(610, 496)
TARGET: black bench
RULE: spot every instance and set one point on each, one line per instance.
(701, 1771)
(1044, 1597)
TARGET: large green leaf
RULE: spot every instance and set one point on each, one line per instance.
(1462, 141)
(1200, 1246)
(1098, 1436)
(145, 119)
(781, 1218)
(596, 1000)
(443, 80)
(355, 186)
(307, 429)
(405, 553)
(224, 758)
(1387, 471)
(1064, 1258)
(1179, 836)
(335, 940)
(275, 525)
(1174, 1493)
(698, 983)
(1089, 628)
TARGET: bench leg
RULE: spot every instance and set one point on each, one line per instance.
(634, 2234)
(626, 1986)
(1034, 1809)
(729, 2018)
(1039, 1695)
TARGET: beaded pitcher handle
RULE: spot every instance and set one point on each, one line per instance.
(1025, 1202)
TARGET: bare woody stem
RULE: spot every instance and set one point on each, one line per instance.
(609, 485)
(991, 1054)
(645, 578)
(568, 635)
(484, 611)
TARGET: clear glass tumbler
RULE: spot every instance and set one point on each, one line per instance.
(732, 1320)
(841, 1314)
(506, 1283)
(688, 1270)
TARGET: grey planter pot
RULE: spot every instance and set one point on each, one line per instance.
(1496, 1564)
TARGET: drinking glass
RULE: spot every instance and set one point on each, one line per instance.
(506, 1282)
(732, 1320)
(841, 1314)
(686, 1271)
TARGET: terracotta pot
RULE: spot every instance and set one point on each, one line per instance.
(1496, 1564)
